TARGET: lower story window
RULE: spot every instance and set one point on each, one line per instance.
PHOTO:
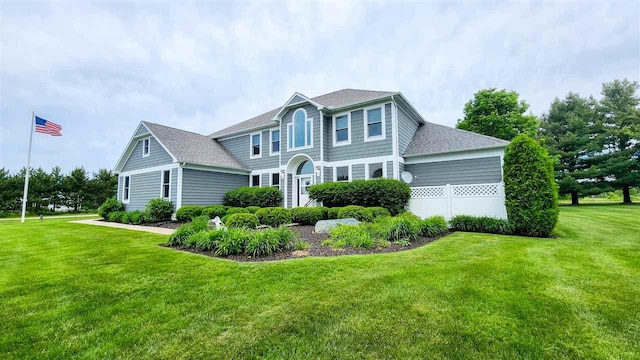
(375, 171)
(255, 180)
(275, 180)
(166, 184)
(126, 188)
(342, 173)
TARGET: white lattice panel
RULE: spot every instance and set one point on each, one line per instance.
(475, 190)
(428, 192)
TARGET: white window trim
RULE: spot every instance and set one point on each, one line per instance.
(368, 138)
(259, 180)
(271, 152)
(367, 173)
(162, 184)
(149, 148)
(271, 180)
(335, 173)
(124, 182)
(334, 129)
(290, 126)
(251, 155)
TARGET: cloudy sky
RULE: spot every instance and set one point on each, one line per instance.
(98, 68)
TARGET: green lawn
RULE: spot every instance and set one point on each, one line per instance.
(76, 291)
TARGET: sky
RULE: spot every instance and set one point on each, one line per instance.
(99, 68)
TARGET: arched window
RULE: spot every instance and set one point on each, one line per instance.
(300, 130)
(305, 168)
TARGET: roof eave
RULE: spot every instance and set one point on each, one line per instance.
(456, 151)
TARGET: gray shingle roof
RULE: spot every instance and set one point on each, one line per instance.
(192, 148)
(433, 138)
(334, 100)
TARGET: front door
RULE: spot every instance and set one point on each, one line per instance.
(303, 189)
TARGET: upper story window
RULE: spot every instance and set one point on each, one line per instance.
(300, 134)
(146, 147)
(374, 123)
(342, 129)
(275, 142)
(256, 146)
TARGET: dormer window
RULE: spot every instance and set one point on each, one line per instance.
(256, 146)
(342, 129)
(299, 130)
(146, 147)
(374, 123)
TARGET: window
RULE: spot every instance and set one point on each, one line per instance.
(300, 131)
(275, 180)
(275, 142)
(255, 180)
(374, 123)
(342, 173)
(126, 188)
(166, 184)
(256, 148)
(342, 129)
(375, 170)
(305, 168)
(146, 147)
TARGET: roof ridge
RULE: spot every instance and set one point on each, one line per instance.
(468, 132)
(174, 128)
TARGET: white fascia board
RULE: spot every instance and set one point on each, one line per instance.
(458, 155)
(288, 104)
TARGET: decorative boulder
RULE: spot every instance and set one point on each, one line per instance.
(216, 223)
(323, 226)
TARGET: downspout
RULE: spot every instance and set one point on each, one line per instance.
(394, 138)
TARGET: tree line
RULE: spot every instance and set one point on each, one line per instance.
(595, 144)
(54, 190)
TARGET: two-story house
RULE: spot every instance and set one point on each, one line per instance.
(341, 136)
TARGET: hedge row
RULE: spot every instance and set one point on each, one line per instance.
(155, 211)
(253, 196)
(390, 194)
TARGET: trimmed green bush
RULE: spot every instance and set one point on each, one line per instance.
(531, 192)
(357, 212)
(187, 212)
(306, 215)
(137, 217)
(253, 209)
(116, 216)
(233, 242)
(234, 210)
(159, 210)
(248, 221)
(333, 212)
(325, 212)
(109, 206)
(274, 216)
(215, 210)
(377, 211)
(433, 226)
(481, 224)
(390, 194)
(253, 196)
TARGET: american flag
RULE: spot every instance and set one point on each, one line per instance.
(47, 127)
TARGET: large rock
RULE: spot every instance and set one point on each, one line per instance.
(323, 226)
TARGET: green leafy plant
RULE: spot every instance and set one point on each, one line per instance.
(262, 243)
(433, 226)
(253, 196)
(187, 212)
(350, 235)
(200, 223)
(302, 245)
(377, 211)
(180, 236)
(159, 210)
(205, 240)
(242, 220)
(325, 212)
(232, 243)
(215, 210)
(404, 226)
(109, 206)
(333, 212)
(306, 215)
(234, 210)
(116, 216)
(390, 194)
(253, 209)
(357, 212)
(137, 217)
(125, 218)
(287, 238)
(481, 224)
(274, 216)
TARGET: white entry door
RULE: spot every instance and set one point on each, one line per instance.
(303, 183)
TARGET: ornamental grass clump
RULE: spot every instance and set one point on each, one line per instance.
(355, 236)
(481, 224)
(180, 236)
(233, 242)
(433, 226)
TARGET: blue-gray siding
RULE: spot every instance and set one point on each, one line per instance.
(456, 172)
(141, 131)
(406, 129)
(289, 189)
(390, 169)
(157, 156)
(358, 147)
(357, 171)
(314, 152)
(296, 99)
(143, 187)
(119, 194)
(174, 187)
(240, 147)
(208, 187)
(328, 174)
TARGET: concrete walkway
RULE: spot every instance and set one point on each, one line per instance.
(51, 217)
(149, 229)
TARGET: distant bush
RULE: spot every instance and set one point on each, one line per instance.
(333, 212)
(306, 215)
(159, 210)
(241, 220)
(215, 210)
(433, 226)
(274, 216)
(187, 212)
(253, 209)
(390, 194)
(253, 196)
(481, 224)
(109, 206)
(357, 212)
(116, 216)
(377, 211)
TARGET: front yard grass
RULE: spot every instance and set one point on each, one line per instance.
(76, 291)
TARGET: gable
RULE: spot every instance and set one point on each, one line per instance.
(142, 130)
(296, 99)
(157, 156)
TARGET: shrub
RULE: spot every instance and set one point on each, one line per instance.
(349, 235)
(531, 192)
(377, 211)
(232, 243)
(248, 221)
(390, 194)
(234, 210)
(325, 212)
(109, 206)
(116, 216)
(332, 213)
(401, 228)
(187, 212)
(253, 209)
(481, 224)
(274, 217)
(306, 215)
(301, 245)
(137, 217)
(200, 223)
(288, 239)
(253, 196)
(125, 218)
(433, 226)
(215, 210)
(357, 212)
(159, 210)
(180, 236)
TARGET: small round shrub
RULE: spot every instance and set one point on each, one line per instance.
(357, 212)
(377, 211)
(109, 206)
(242, 220)
(253, 209)
(274, 217)
(306, 215)
(333, 212)
(137, 217)
(180, 236)
(159, 210)
(325, 212)
(234, 210)
(232, 243)
(215, 210)
(116, 216)
(187, 212)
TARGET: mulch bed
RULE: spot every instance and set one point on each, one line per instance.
(308, 234)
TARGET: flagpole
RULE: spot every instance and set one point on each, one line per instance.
(26, 175)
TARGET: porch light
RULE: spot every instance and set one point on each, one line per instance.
(317, 170)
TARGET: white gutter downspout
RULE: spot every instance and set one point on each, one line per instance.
(394, 138)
